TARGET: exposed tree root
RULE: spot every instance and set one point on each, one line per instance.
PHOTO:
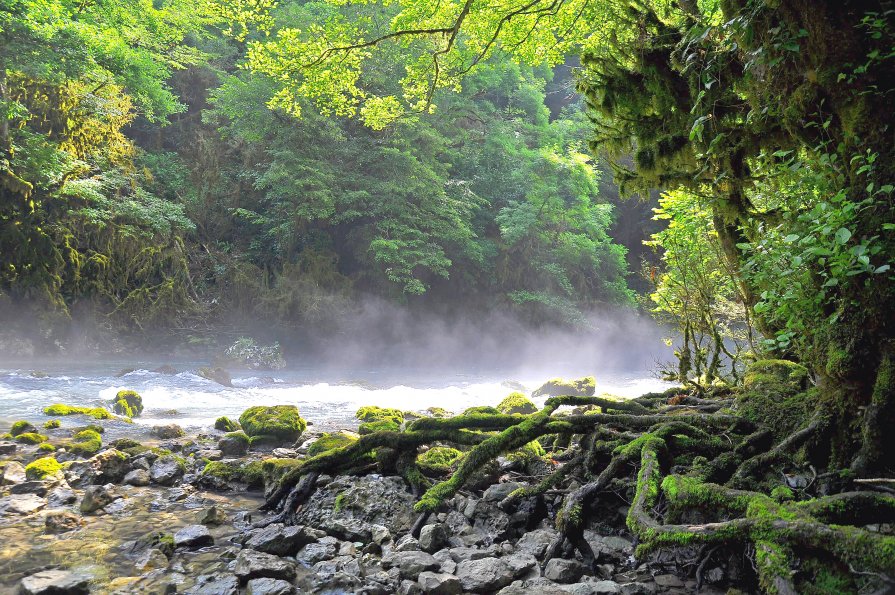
(683, 453)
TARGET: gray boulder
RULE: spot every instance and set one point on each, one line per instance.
(370, 499)
(55, 582)
(137, 477)
(7, 448)
(251, 564)
(564, 571)
(485, 575)
(536, 542)
(269, 586)
(97, 497)
(168, 432)
(166, 470)
(193, 536)
(21, 504)
(434, 583)
(61, 496)
(324, 548)
(499, 491)
(279, 540)
(215, 584)
(433, 537)
(61, 521)
(411, 564)
(13, 473)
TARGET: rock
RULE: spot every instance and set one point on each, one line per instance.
(714, 575)
(61, 496)
(349, 529)
(55, 582)
(370, 499)
(166, 369)
(541, 586)
(30, 487)
(409, 588)
(62, 521)
(408, 543)
(214, 584)
(324, 548)
(269, 586)
(380, 534)
(137, 477)
(523, 565)
(22, 504)
(96, 497)
(470, 553)
(609, 547)
(213, 516)
(436, 583)
(210, 454)
(448, 564)
(637, 588)
(279, 540)
(433, 538)
(487, 574)
(536, 542)
(251, 564)
(499, 491)
(219, 375)
(564, 571)
(166, 470)
(668, 581)
(7, 448)
(152, 559)
(193, 536)
(13, 473)
(234, 445)
(411, 564)
(168, 432)
(605, 587)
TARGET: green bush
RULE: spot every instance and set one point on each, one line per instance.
(128, 403)
(280, 421)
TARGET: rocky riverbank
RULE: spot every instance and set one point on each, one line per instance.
(181, 515)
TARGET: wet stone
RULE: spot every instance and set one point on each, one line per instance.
(279, 540)
(7, 448)
(564, 571)
(434, 583)
(251, 564)
(193, 536)
(13, 473)
(55, 582)
(61, 496)
(62, 521)
(21, 504)
(137, 477)
(485, 575)
(269, 586)
(95, 498)
(215, 584)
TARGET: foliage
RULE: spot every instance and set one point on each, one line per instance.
(246, 352)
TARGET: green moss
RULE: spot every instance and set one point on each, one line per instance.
(339, 503)
(123, 444)
(85, 443)
(774, 372)
(225, 424)
(52, 424)
(381, 425)
(517, 403)
(265, 439)
(772, 560)
(782, 494)
(46, 447)
(41, 468)
(280, 421)
(328, 442)
(438, 412)
(94, 412)
(482, 410)
(221, 469)
(22, 427)
(91, 427)
(5, 436)
(777, 408)
(272, 470)
(555, 387)
(438, 460)
(371, 413)
(31, 438)
(239, 436)
(127, 403)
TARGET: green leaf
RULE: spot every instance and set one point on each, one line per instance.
(843, 235)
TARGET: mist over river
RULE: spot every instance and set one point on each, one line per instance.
(326, 397)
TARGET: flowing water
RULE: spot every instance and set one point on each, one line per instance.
(327, 398)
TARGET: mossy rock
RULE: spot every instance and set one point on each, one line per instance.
(780, 408)
(52, 424)
(85, 443)
(328, 442)
(482, 410)
(219, 375)
(371, 413)
(22, 427)
(31, 438)
(438, 460)
(280, 421)
(225, 424)
(381, 425)
(128, 403)
(776, 374)
(438, 412)
(517, 403)
(46, 447)
(92, 427)
(555, 387)
(94, 412)
(123, 444)
(41, 468)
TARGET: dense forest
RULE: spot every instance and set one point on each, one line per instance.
(173, 169)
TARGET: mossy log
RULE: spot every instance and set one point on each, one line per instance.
(676, 453)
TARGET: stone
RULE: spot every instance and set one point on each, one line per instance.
(435, 583)
(61, 496)
(380, 534)
(279, 540)
(433, 538)
(213, 584)
(324, 548)
(213, 516)
(448, 564)
(30, 487)
(370, 499)
(564, 571)
(193, 536)
(167, 432)
(541, 586)
(233, 446)
(350, 529)
(499, 491)
(109, 466)
(668, 581)
(536, 542)
(55, 582)
(165, 470)
(609, 547)
(638, 588)
(61, 521)
(251, 564)
(97, 497)
(13, 473)
(485, 575)
(137, 477)
(7, 448)
(409, 588)
(605, 587)
(470, 553)
(211, 454)
(269, 586)
(152, 559)
(411, 564)
(523, 565)
(408, 543)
